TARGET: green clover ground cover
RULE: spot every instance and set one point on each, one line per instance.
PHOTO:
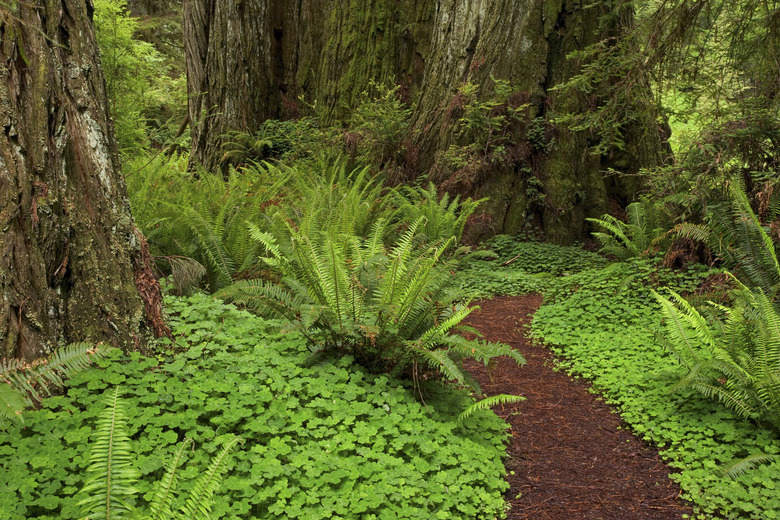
(322, 441)
(602, 319)
(604, 322)
(515, 267)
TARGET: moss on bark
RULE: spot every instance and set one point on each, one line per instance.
(329, 52)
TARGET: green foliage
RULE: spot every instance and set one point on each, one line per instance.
(388, 307)
(136, 77)
(322, 440)
(603, 321)
(736, 359)
(713, 69)
(374, 136)
(488, 403)
(111, 472)
(737, 468)
(378, 128)
(633, 238)
(202, 218)
(485, 123)
(513, 266)
(735, 234)
(442, 217)
(290, 141)
(197, 224)
(331, 197)
(23, 384)
(110, 486)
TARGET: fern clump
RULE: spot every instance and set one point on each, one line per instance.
(389, 307)
(735, 355)
(443, 217)
(633, 238)
(736, 235)
(734, 358)
(196, 225)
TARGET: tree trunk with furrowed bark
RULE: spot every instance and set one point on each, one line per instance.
(70, 257)
(250, 61)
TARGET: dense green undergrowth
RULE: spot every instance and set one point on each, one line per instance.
(513, 267)
(604, 322)
(323, 440)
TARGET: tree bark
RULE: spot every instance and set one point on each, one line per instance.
(153, 7)
(328, 52)
(68, 240)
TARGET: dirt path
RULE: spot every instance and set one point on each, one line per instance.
(570, 456)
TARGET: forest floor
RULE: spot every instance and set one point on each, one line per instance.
(570, 456)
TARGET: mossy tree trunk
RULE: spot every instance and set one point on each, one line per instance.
(328, 52)
(67, 241)
(246, 62)
(153, 7)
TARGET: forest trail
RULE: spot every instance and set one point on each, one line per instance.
(569, 457)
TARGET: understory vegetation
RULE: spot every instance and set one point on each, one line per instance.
(323, 438)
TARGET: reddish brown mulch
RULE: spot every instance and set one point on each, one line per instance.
(570, 456)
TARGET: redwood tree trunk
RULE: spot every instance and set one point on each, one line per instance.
(256, 56)
(67, 241)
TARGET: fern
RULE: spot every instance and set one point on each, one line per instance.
(112, 475)
(487, 403)
(110, 487)
(443, 217)
(160, 507)
(735, 360)
(633, 238)
(12, 403)
(204, 218)
(739, 467)
(186, 273)
(389, 307)
(198, 503)
(735, 234)
(23, 384)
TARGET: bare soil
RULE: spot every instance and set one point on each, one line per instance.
(570, 456)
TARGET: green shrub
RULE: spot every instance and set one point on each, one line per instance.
(630, 239)
(390, 308)
(378, 127)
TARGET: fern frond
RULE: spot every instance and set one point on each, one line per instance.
(32, 379)
(111, 470)
(198, 503)
(160, 507)
(487, 403)
(739, 467)
(266, 298)
(267, 240)
(12, 403)
(687, 330)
